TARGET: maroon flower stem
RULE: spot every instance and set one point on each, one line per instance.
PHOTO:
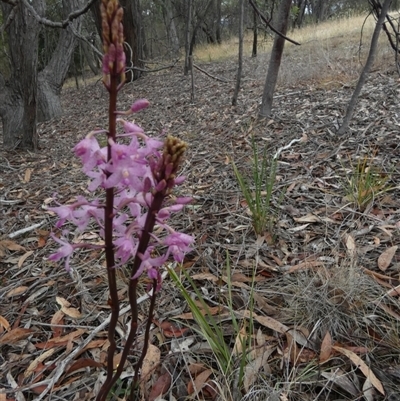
(109, 248)
(146, 341)
(143, 244)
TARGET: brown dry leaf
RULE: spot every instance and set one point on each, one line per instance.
(241, 278)
(160, 387)
(61, 341)
(34, 364)
(151, 361)
(63, 302)
(308, 218)
(194, 387)
(252, 369)
(117, 360)
(41, 242)
(170, 330)
(196, 368)
(215, 310)
(260, 338)
(386, 257)
(15, 335)
(27, 176)
(264, 305)
(368, 373)
(206, 276)
(11, 245)
(83, 363)
(308, 264)
(4, 323)
(56, 320)
(72, 312)
(326, 348)
(240, 342)
(237, 280)
(291, 352)
(350, 244)
(16, 291)
(271, 323)
(22, 259)
(265, 321)
(306, 355)
(71, 336)
(96, 344)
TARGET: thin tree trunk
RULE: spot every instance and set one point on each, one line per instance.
(187, 39)
(255, 34)
(240, 61)
(367, 67)
(199, 22)
(275, 60)
(218, 30)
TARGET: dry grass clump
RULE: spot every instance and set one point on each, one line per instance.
(333, 297)
(351, 307)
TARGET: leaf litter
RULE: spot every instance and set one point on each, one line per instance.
(325, 283)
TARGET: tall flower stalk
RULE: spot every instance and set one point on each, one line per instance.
(137, 179)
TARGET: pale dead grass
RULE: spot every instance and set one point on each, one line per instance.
(331, 53)
(82, 82)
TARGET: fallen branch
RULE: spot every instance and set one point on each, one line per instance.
(279, 151)
(209, 75)
(25, 230)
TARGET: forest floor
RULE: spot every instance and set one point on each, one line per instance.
(320, 284)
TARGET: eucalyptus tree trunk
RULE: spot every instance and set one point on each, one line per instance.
(370, 60)
(240, 61)
(18, 91)
(133, 37)
(275, 60)
(51, 78)
(218, 30)
(170, 27)
(255, 34)
(189, 11)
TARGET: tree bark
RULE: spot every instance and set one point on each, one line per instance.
(275, 60)
(19, 92)
(240, 61)
(367, 67)
(170, 27)
(91, 57)
(51, 78)
(133, 36)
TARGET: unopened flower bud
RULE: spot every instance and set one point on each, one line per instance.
(161, 186)
(139, 104)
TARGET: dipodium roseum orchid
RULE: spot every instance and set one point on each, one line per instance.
(137, 175)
